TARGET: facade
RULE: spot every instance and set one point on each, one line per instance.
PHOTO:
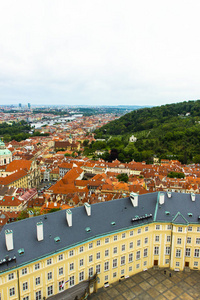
(114, 239)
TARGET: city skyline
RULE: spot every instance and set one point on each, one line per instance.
(99, 53)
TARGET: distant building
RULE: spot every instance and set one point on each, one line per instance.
(20, 105)
(29, 106)
(132, 139)
(5, 154)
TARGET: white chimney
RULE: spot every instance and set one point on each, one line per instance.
(40, 234)
(134, 199)
(192, 196)
(161, 198)
(169, 194)
(9, 239)
(69, 217)
(88, 208)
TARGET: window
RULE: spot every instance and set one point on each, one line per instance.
(187, 252)
(10, 276)
(98, 269)
(81, 262)
(122, 260)
(37, 280)
(106, 278)
(169, 227)
(146, 240)
(98, 255)
(81, 276)
(91, 272)
(24, 298)
(196, 252)
(137, 255)
(71, 281)
(195, 263)
(157, 237)
(198, 229)
(60, 271)
(178, 253)
(49, 276)
(123, 247)
(81, 249)
(114, 274)
(71, 266)
(90, 245)
(189, 240)
(146, 228)
(189, 228)
(137, 266)
(12, 292)
(50, 290)
(138, 242)
(180, 229)
(24, 271)
(106, 266)
(115, 238)
(131, 245)
(167, 250)
(179, 241)
(61, 285)
(98, 243)
(122, 272)
(130, 257)
(114, 250)
(90, 258)
(71, 252)
(106, 240)
(38, 295)
(167, 261)
(168, 238)
(145, 252)
(131, 233)
(25, 286)
(37, 266)
(49, 261)
(156, 250)
(106, 252)
(130, 269)
(157, 227)
(123, 235)
(177, 264)
(115, 263)
(139, 230)
(197, 240)
(145, 263)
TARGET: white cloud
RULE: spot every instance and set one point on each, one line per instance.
(99, 52)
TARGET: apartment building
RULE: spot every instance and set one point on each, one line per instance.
(114, 239)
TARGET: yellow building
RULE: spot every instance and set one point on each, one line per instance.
(115, 239)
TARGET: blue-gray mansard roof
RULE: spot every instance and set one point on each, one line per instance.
(106, 218)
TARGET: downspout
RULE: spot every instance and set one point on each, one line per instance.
(18, 284)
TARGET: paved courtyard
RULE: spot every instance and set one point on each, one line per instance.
(154, 284)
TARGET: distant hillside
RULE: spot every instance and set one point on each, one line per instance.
(167, 131)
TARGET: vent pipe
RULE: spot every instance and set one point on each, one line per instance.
(88, 209)
(169, 194)
(134, 199)
(69, 217)
(40, 234)
(9, 239)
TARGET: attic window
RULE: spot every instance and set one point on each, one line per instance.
(21, 251)
(87, 229)
(167, 213)
(113, 223)
(190, 214)
(57, 239)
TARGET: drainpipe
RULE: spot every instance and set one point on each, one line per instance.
(18, 284)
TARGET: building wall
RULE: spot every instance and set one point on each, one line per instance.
(119, 255)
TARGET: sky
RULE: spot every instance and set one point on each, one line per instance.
(89, 52)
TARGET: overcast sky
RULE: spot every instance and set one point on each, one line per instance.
(113, 52)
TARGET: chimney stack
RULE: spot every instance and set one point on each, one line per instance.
(161, 198)
(134, 199)
(69, 217)
(193, 197)
(88, 209)
(9, 239)
(40, 234)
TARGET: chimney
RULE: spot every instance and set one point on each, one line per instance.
(40, 234)
(193, 197)
(69, 217)
(88, 208)
(9, 239)
(134, 199)
(161, 198)
(169, 194)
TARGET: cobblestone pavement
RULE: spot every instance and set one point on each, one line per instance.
(153, 284)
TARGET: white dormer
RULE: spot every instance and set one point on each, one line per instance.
(134, 199)
(88, 209)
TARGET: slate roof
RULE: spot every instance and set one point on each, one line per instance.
(103, 214)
